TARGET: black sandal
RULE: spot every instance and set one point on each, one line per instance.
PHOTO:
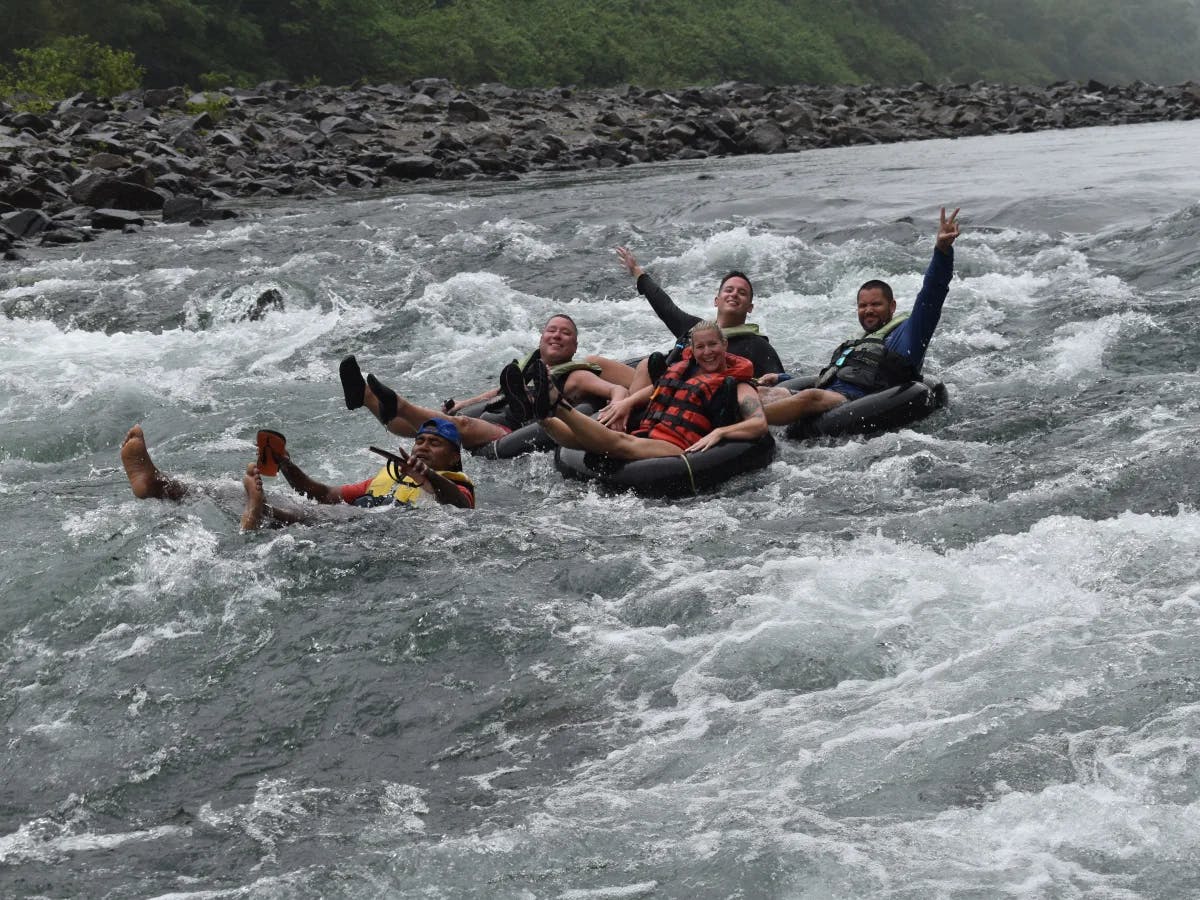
(388, 401)
(512, 388)
(543, 406)
(353, 386)
(531, 366)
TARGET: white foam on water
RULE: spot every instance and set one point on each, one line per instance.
(176, 366)
(759, 254)
(1078, 840)
(1078, 349)
(479, 304)
(290, 884)
(46, 840)
(964, 641)
(617, 892)
(513, 239)
(402, 806)
(144, 643)
(278, 811)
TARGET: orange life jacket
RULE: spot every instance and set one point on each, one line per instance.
(680, 409)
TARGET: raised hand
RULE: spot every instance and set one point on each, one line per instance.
(629, 261)
(947, 230)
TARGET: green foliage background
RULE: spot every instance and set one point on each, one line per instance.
(663, 43)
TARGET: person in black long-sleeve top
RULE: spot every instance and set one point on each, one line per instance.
(733, 302)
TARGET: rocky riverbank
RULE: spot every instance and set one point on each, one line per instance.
(165, 155)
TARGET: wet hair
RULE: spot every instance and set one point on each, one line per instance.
(874, 284)
(563, 316)
(734, 273)
(707, 325)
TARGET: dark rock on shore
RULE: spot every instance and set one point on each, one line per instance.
(162, 155)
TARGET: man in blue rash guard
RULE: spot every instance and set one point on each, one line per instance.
(890, 349)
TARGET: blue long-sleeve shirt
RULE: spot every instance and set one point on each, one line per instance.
(911, 338)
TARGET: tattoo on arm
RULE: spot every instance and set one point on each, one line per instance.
(750, 407)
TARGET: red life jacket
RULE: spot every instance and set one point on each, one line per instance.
(680, 410)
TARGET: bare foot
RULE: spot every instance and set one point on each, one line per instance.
(144, 477)
(256, 500)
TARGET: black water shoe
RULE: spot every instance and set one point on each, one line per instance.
(543, 405)
(388, 402)
(512, 388)
(353, 386)
(531, 366)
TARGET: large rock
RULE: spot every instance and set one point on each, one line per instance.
(25, 223)
(104, 190)
(766, 137)
(182, 209)
(463, 110)
(410, 167)
(116, 219)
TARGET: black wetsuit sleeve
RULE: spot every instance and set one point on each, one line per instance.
(664, 307)
(760, 353)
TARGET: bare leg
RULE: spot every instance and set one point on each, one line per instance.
(258, 512)
(144, 477)
(410, 417)
(591, 435)
(808, 402)
(562, 434)
(641, 376)
(613, 370)
(256, 500)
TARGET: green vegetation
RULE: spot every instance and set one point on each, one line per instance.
(66, 66)
(662, 43)
(214, 104)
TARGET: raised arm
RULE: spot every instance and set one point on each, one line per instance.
(912, 338)
(660, 301)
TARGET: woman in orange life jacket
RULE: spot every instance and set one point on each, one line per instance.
(685, 408)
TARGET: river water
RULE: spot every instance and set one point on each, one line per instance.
(953, 661)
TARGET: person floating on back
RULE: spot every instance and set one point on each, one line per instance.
(433, 470)
(889, 351)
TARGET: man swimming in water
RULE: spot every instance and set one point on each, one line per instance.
(559, 341)
(888, 352)
(433, 470)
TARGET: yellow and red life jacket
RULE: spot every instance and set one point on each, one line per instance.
(681, 409)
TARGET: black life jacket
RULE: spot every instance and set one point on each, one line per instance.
(866, 363)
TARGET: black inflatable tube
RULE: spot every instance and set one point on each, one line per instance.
(882, 411)
(672, 476)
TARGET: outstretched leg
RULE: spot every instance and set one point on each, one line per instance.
(144, 477)
(406, 417)
(258, 512)
(256, 500)
(808, 402)
(586, 433)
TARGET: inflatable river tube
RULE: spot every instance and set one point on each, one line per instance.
(670, 476)
(882, 411)
(531, 438)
